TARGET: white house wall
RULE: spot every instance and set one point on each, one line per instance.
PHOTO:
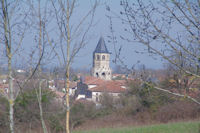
(96, 95)
(80, 97)
(91, 86)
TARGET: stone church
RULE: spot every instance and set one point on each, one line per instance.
(101, 61)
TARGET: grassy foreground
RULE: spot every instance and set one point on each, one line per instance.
(182, 127)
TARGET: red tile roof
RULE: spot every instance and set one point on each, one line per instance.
(114, 86)
(93, 80)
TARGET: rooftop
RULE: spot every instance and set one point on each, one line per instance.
(113, 86)
(101, 46)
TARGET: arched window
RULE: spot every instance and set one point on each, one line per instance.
(98, 57)
(103, 57)
(103, 74)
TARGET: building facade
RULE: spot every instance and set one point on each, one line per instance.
(101, 61)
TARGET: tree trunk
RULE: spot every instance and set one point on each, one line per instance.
(67, 71)
(39, 96)
(7, 35)
(67, 103)
(11, 95)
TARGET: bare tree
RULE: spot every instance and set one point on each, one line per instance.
(39, 23)
(168, 28)
(73, 37)
(12, 31)
(14, 24)
(40, 16)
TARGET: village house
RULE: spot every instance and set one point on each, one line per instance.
(59, 85)
(92, 87)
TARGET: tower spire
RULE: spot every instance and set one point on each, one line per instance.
(101, 61)
(101, 46)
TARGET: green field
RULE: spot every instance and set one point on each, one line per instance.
(183, 127)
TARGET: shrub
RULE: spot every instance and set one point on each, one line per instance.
(55, 123)
(140, 97)
(178, 110)
(80, 111)
(129, 105)
(107, 101)
(3, 114)
(26, 105)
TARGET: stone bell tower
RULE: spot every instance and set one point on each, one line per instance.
(101, 61)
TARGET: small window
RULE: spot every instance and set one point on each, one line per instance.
(103, 57)
(103, 74)
(97, 74)
(97, 97)
(98, 57)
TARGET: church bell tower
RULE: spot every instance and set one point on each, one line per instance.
(101, 61)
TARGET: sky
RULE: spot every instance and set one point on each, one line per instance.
(83, 60)
(130, 57)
